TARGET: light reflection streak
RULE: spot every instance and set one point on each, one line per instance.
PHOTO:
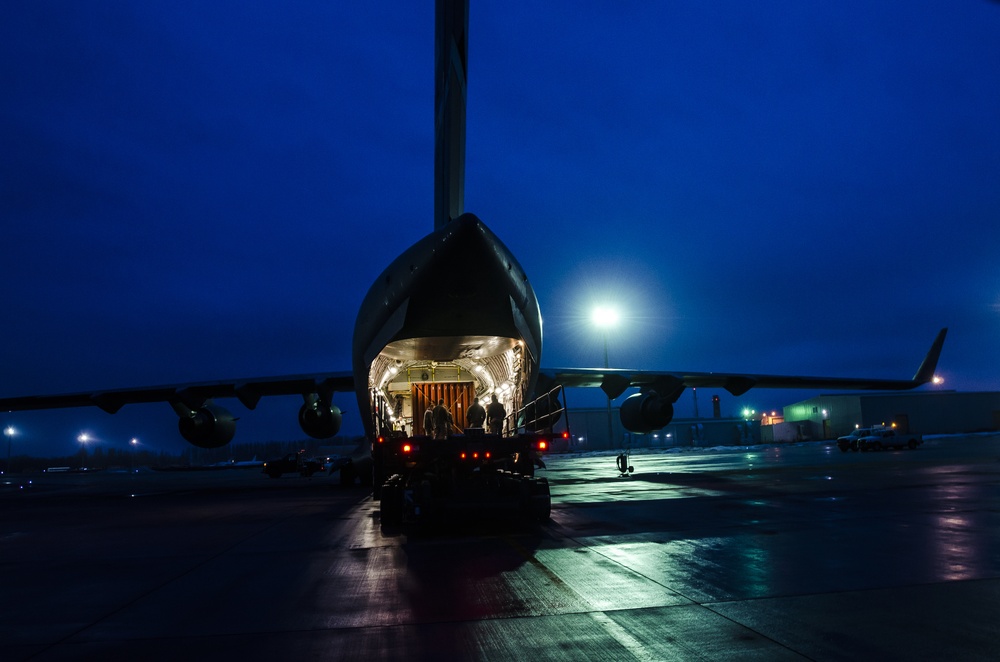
(957, 548)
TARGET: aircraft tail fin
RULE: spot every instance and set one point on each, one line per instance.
(925, 372)
(450, 68)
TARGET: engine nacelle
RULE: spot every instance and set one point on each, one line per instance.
(645, 412)
(209, 427)
(319, 420)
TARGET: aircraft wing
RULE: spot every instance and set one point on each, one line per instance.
(193, 396)
(614, 382)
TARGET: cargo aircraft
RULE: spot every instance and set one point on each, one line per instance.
(454, 317)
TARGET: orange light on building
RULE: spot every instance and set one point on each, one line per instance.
(772, 418)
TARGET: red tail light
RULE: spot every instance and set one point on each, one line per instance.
(463, 456)
(542, 445)
(381, 439)
(565, 435)
(407, 448)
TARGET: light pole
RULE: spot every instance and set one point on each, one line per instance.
(605, 317)
(83, 438)
(8, 432)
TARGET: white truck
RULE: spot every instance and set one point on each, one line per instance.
(849, 442)
(885, 438)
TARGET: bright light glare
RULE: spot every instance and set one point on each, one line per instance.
(83, 438)
(604, 316)
(938, 379)
(9, 431)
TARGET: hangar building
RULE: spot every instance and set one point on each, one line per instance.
(589, 428)
(923, 412)
(823, 417)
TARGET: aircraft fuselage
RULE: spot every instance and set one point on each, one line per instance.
(456, 298)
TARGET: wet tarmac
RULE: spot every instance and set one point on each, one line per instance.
(789, 553)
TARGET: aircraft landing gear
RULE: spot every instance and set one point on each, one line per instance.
(624, 468)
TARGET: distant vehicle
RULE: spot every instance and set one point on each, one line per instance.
(850, 441)
(889, 438)
(292, 463)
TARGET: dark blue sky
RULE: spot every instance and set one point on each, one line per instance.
(200, 190)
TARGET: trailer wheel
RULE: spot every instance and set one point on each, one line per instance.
(347, 475)
(391, 505)
(540, 505)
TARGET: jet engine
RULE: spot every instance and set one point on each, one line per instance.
(645, 412)
(210, 426)
(318, 419)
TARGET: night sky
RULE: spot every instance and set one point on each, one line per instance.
(202, 190)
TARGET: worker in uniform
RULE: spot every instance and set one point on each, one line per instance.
(442, 421)
(429, 420)
(495, 414)
(476, 414)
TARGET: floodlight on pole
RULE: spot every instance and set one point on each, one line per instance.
(8, 432)
(604, 318)
(133, 442)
